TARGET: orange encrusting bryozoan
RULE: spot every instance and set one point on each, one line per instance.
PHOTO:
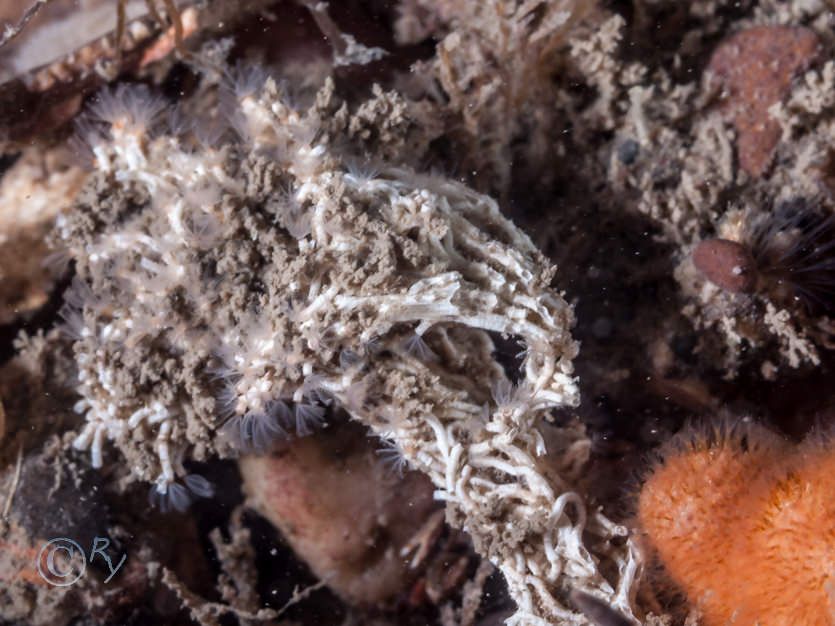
(744, 525)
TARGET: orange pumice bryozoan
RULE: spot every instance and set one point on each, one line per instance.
(744, 524)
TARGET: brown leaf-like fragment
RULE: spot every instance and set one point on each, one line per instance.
(755, 69)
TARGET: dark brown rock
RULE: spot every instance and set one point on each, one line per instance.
(728, 264)
(342, 511)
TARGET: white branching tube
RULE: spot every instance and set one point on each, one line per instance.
(306, 279)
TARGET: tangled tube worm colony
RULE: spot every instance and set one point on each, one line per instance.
(257, 277)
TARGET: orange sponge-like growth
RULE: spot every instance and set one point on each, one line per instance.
(745, 526)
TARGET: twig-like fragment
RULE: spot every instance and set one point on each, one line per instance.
(346, 49)
(10, 32)
(207, 613)
(15, 482)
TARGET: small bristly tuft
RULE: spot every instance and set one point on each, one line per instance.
(199, 486)
(361, 171)
(58, 262)
(133, 107)
(88, 134)
(309, 417)
(415, 345)
(257, 432)
(79, 294)
(209, 134)
(245, 79)
(180, 123)
(72, 323)
(506, 395)
(391, 457)
(178, 497)
(175, 498)
(502, 392)
(71, 313)
(348, 358)
(296, 221)
(203, 230)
